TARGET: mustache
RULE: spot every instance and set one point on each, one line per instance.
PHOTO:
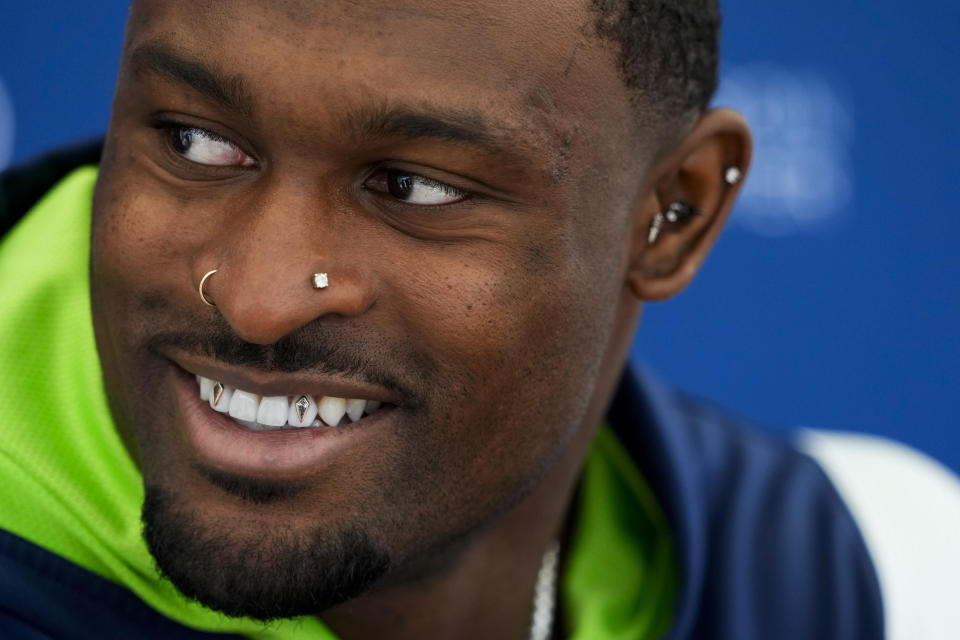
(308, 350)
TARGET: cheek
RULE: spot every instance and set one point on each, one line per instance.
(143, 245)
(518, 308)
(518, 340)
(137, 228)
(127, 264)
(516, 348)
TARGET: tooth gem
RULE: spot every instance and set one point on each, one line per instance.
(217, 392)
(302, 405)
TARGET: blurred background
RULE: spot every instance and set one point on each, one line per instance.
(833, 298)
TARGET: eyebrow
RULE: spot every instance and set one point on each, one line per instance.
(227, 91)
(360, 123)
(419, 122)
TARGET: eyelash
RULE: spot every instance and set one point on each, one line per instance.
(170, 128)
(386, 174)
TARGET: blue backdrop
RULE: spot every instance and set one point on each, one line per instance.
(832, 299)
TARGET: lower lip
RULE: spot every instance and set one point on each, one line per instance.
(219, 442)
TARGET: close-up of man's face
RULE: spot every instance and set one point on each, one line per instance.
(330, 331)
(457, 171)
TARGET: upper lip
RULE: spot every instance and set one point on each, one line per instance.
(266, 383)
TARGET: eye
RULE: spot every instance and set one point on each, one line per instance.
(414, 189)
(207, 148)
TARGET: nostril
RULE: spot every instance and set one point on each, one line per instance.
(262, 308)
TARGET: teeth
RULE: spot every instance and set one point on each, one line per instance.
(331, 410)
(302, 412)
(260, 413)
(273, 411)
(253, 425)
(355, 409)
(244, 405)
(206, 387)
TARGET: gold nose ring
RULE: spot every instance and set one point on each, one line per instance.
(203, 281)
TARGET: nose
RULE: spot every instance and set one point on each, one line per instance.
(267, 251)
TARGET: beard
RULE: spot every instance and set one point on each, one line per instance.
(284, 574)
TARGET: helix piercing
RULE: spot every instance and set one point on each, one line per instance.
(732, 175)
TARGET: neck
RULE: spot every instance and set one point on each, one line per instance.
(484, 590)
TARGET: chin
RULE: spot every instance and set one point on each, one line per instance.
(253, 568)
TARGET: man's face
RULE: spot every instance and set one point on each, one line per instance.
(454, 169)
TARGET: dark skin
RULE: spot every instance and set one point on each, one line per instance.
(502, 318)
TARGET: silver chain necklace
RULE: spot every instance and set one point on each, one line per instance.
(545, 594)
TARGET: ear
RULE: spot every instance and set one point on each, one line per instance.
(694, 173)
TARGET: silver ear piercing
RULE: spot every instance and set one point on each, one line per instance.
(677, 212)
(320, 281)
(203, 281)
(655, 226)
(732, 175)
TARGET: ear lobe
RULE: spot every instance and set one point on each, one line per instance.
(692, 194)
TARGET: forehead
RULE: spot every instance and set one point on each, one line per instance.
(532, 68)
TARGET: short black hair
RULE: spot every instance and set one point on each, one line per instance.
(668, 51)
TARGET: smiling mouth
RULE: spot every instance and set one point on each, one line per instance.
(272, 413)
